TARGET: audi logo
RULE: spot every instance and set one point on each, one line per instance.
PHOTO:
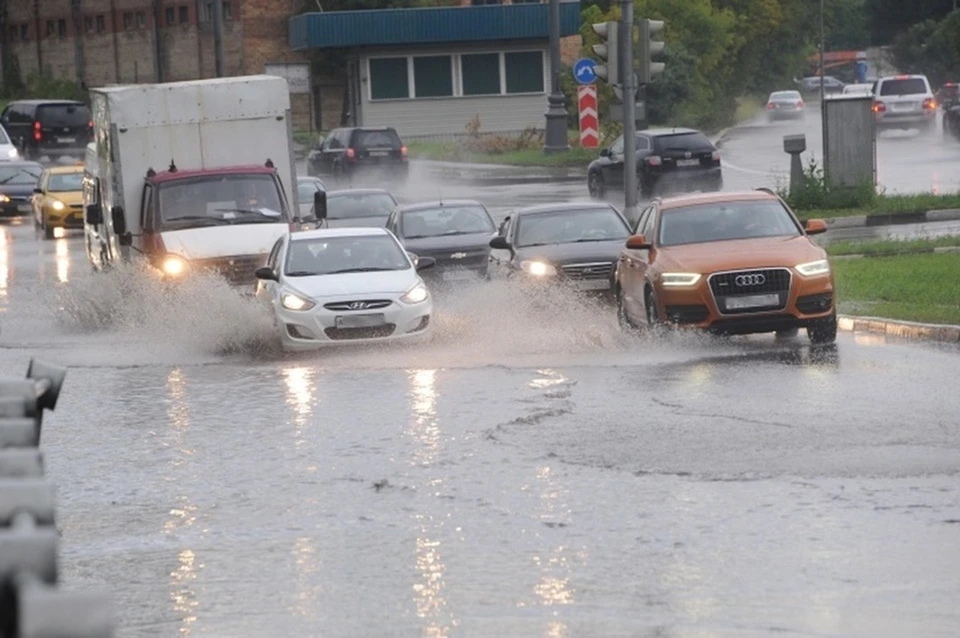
(358, 305)
(750, 280)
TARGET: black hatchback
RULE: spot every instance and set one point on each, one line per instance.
(349, 153)
(668, 160)
(54, 128)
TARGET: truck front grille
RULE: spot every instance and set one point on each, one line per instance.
(236, 269)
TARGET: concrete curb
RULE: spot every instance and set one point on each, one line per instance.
(903, 329)
(862, 221)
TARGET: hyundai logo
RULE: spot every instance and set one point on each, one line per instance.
(587, 271)
(458, 255)
(688, 154)
(357, 305)
(750, 280)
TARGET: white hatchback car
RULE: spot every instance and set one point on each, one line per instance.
(904, 102)
(8, 151)
(344, 285)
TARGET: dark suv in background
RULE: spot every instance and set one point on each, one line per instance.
(668, 160)
(53, 128)
(352, 153)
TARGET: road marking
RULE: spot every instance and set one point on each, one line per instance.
(751, 171)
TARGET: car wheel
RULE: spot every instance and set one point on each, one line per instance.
(788, 333)
(823, 331)
(595, 185)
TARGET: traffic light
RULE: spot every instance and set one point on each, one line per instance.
(608, 51)
(648, 49)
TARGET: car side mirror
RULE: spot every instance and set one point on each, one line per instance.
(38, 191)
(815, 226)
(94, 214)
(266, 273)
(423, 263)
(605, 152)
(499, 243)
(638, 242)
(320, 205)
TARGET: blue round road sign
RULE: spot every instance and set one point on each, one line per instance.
(585, 71)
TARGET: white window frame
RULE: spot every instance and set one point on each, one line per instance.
(456, 74)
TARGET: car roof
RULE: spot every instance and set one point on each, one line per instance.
(657, 132)
(561, 207)
(308, 178)
(415, 206)
(59, 170)
(170, 176)
(903, 76)
(358, 191)
(695, 199)
(46, 102)
(21, 162)
(322, 233)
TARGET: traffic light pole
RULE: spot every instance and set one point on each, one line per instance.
(629, 110)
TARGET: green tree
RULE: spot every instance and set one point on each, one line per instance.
(931, 48)
(887, 18)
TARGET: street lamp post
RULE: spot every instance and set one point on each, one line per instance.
(822, 44)
(555, 138)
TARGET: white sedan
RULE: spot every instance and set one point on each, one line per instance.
(344, 285)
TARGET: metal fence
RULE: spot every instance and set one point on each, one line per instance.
(32, 604)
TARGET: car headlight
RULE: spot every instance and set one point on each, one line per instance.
(819, 267)
(415, 295)
(538, 268)
(57, 205)
(679, 279)
(4, 199)
(174, 265)
(291, 301)
(12, 153)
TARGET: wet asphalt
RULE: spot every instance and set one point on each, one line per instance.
(531, 472)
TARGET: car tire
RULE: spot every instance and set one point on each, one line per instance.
(595, 185)
(823, 331)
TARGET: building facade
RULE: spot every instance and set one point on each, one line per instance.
(431, 72)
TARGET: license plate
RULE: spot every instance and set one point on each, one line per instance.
(752, 301)
(379, 153)
(689, 162)
(908, 106)
(360, 321)
(457, 275)
(25, 208)
(66, 140)
(592, 284)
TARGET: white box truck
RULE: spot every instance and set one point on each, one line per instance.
(191, 175)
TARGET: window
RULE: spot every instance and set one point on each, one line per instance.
(480, 73)
(101, 24)
(128, 20)
(227, 11)
(432, 76)
(171, 15)
(388, 79)
(524, 71)
(526, 1)
(51, 28)
(14, 32)
(24, 31)
(184, 14)
(62, 28)
(480, 3)
(88, 24)
(140, 20)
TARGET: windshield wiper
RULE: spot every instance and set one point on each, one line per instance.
(347, 270)
(580, 241)
(451, 233)
(301, 273)
(7, 180)
(197, 218)
(249, 211)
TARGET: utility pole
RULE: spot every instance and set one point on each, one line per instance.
(218, 36)
(629, 78)
(555, 136)
(76, 11)
(157, 43)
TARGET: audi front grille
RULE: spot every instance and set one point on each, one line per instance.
(747, 283)
(358, 305)
(597, 270)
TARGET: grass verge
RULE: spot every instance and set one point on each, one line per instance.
(891, 247)
(454, 152)
(888, 205)
(918, 287)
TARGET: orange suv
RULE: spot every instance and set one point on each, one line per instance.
(730, 263)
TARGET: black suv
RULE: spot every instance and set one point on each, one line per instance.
(677, 159)
(346, 153)
(48, 127)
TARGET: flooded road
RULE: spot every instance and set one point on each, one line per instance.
(532, 472)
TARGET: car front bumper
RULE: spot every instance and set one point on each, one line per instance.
(69, 218)
(317, 327)
(15, 208)
(808, 300)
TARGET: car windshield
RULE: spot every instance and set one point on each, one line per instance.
(447, 220)
(220, 199)
(20, 174)
(376, 139)
(341, 255)
(683, 142)
(3, 137)
(65, 182)
(68, 115)
(725, 221)
(570, 226)
(909, 86)
(359, 205)
(783, 96)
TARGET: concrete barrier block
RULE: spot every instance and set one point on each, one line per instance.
(24, 463)
(36, 497)
(29, 551)
(50, 613)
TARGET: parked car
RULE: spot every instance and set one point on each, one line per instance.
(348, 153)
(904, 102)
(830, 85)
(58, 199)
(948, 95)
(456, 233)
(54, 128)
(344, 285)
(306, 187)
(667, 160)
(784, 105)
(359, 207)
(730, 263)
(575, 244)
(8, 150)
(17, 181)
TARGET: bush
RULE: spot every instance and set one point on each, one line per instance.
(41, 86)
(494, 144)
(815, 193)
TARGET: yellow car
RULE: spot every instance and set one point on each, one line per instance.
(58, 199)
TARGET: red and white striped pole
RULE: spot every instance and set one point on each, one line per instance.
(589, 120)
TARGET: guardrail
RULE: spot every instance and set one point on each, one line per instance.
(32, 605)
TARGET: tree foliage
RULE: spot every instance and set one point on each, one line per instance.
(888, 18)
(932, 48)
